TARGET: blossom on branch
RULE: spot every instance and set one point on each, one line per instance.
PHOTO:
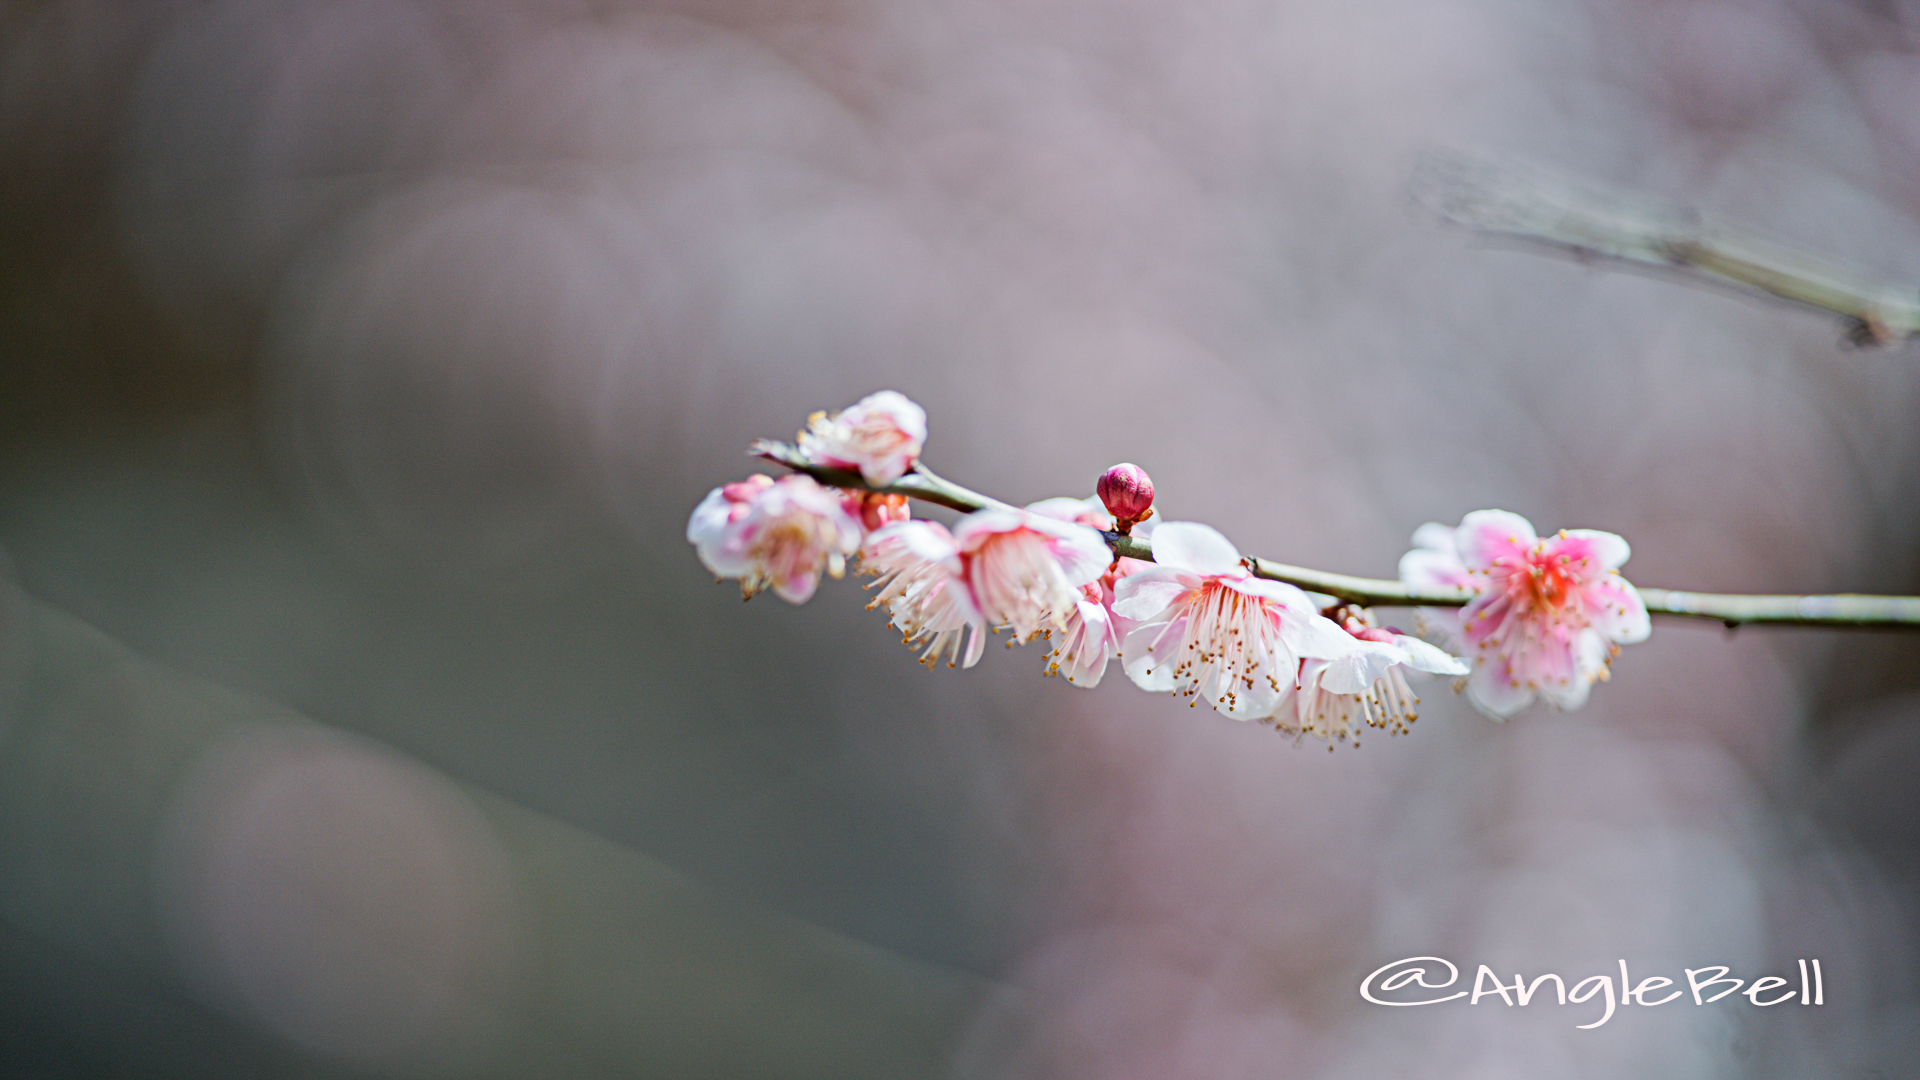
(1212, 630)
(1093, 632)
(1548, 615)
(774, 534)
(919, 577)
(1026, 570)
(1367, 685)
(879, 437)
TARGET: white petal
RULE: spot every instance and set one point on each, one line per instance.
(1063, 508)
(1493, 694)
(970, 531)
(1315, 636)
(1199, 548)
(1083, 553)
(976, 644)
(708, 518)
(1434, 536)
(1355, 670)
(1268, 692)
(1424, 657)
(1424, 566)
(1150, 666)
(1144, 595)
(1279, 592)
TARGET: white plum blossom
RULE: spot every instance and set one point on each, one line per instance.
(1367, 685)
(1548, 615)
(1025, 570)
(1210, 629)
(879, 436)
(1093, 632)
(918, 569)
(1434, 561)
(774, 534)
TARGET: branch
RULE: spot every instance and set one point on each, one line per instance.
(1844, 611)
(1540, 209)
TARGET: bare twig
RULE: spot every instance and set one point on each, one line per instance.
(1844, 611)
(1535, 207)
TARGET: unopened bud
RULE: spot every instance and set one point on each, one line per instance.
(1127, 494)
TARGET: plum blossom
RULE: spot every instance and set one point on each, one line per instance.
(774, 534)
(1210, 629)
(919, 577)
(1093, 633)
(873, 509)
(1367, 685)
(1434, 561)
(880, 436)
(1026, 570)
(1548, 615)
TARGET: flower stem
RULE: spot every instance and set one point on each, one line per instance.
(1843, 611)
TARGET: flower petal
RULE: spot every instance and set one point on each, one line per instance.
(1434, 536)
(1315, 636)
(1425, 566)
(1357, 669)
(1148, 655)
(1494, 691)
(1146, 594)
(1189, 545)
(1620, 615)
(1486, 535)
(1424, 657)
(1609, 551)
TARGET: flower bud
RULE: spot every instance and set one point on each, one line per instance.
(1127, 494)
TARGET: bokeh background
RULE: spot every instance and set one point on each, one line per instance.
(364, 713)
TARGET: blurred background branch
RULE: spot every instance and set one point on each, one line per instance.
(1536, 207)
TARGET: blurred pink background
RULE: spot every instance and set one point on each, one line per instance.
(364, 360)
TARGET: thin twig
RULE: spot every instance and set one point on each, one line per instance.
(1535, 207)
(1843, 611)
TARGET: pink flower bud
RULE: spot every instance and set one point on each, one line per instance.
(1126, 492)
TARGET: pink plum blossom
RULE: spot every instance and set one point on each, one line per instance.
(919, 578)
(1548, 615)
(1210, 629)
(1367, 685)
(880, 436)
(774, 534)
(874, 510)
(1026, 570)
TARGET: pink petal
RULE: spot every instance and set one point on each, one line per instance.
(1602, 551)
(1617, 612)
(1486, 535)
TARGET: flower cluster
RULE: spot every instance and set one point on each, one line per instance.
(1198, 621)
(1547, 616)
